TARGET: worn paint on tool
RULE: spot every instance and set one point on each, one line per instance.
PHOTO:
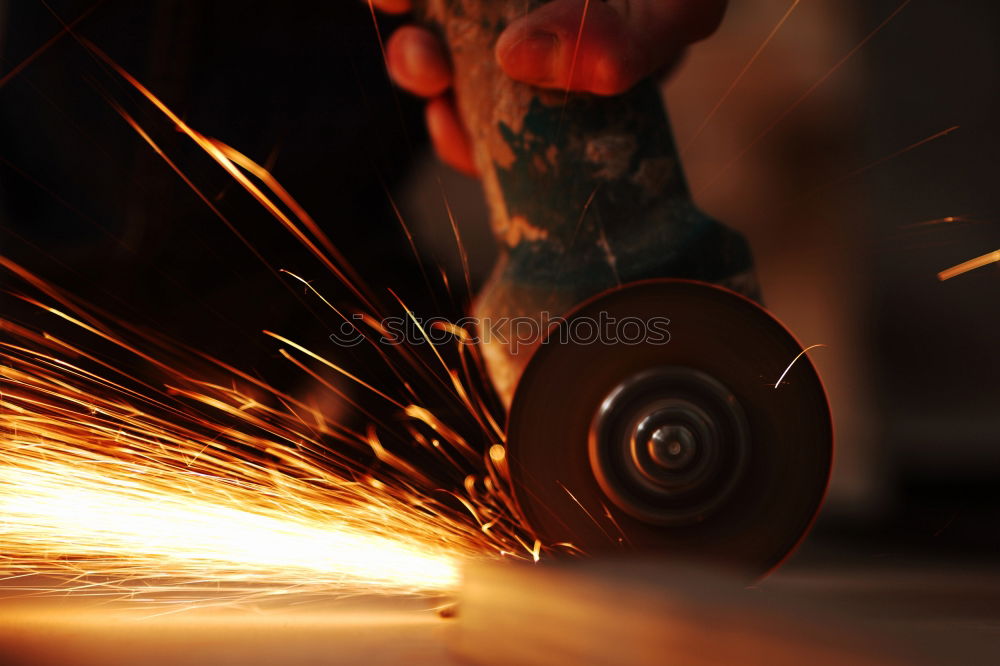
(585, 192)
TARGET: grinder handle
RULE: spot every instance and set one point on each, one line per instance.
(585, 192)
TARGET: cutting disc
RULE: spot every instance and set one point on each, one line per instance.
(649, 420)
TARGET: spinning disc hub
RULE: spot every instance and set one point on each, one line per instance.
(668, 445)
(671, 447)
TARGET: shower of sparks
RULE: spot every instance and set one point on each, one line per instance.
(205, 491)
(100, 483)
(175, 477)
(794, 360)
(970, 265)
(119, 510)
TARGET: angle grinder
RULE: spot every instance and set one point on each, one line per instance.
(675, 441)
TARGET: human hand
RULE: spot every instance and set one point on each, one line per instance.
(621, 43)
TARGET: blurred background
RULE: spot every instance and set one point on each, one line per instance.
(806, 155)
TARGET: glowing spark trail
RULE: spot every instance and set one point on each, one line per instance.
(150, 471)
(797, 357)
(970, 265)
(91, 513)
(217, 492)
(103, 486)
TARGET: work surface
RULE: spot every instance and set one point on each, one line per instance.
(371, 631)
(534, 616)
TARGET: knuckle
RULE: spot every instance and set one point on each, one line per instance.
(612, 75)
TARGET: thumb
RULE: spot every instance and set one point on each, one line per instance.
(602, 47)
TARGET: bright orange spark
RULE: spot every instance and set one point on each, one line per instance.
(462, 254)
(221, 153)
(970, 265)
(794, 360)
